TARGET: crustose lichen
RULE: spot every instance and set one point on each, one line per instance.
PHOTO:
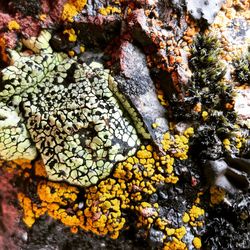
(71, 116)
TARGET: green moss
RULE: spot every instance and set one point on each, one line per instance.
(208, 72)
(242, 68)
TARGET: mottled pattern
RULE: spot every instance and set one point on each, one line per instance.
(73, 118)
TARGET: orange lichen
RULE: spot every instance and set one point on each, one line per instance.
(40, 168)
(23, 163)
(72, 8)
(60, 193)
(43, 17)
(20, 167)
(71, 53)
(28, 213)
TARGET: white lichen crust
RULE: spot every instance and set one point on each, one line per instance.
(72, 116)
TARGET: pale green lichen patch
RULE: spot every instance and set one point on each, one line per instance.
(72, 116)
(15, 141)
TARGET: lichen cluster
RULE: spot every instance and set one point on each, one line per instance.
(101, 208)
(72, 138)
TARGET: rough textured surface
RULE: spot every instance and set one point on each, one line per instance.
(71, 115)
(12, 234)
(150, 200)
(139, 92)
(204, 9)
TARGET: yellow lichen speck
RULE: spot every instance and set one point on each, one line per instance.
(71, 34)
(197, 242)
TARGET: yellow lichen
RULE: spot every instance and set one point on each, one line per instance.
(204, 115)
(71, 34)
(71, 53)
(178, 144)
(170, 231)
(72, 8)
(195, 213)
(155, 125)
(147, 213)
(13, 25)
(180, 232)
(185, 218)
(197, 242)
(103, 208)
(144, 154)
(175, 244)
(226, 143)
(43, 17)
(109, 10)
(82, 48)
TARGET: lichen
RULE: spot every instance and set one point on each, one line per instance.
(67, 112)
(109, 10)
(197, 242)
(44, 93)
(13, 25)
(72, 37)
(100, 209)
(15, 142)
(217, 195)
(72, 8)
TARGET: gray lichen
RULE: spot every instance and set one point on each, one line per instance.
(72, 117)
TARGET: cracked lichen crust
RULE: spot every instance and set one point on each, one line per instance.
(15, 141)
(72, 116)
